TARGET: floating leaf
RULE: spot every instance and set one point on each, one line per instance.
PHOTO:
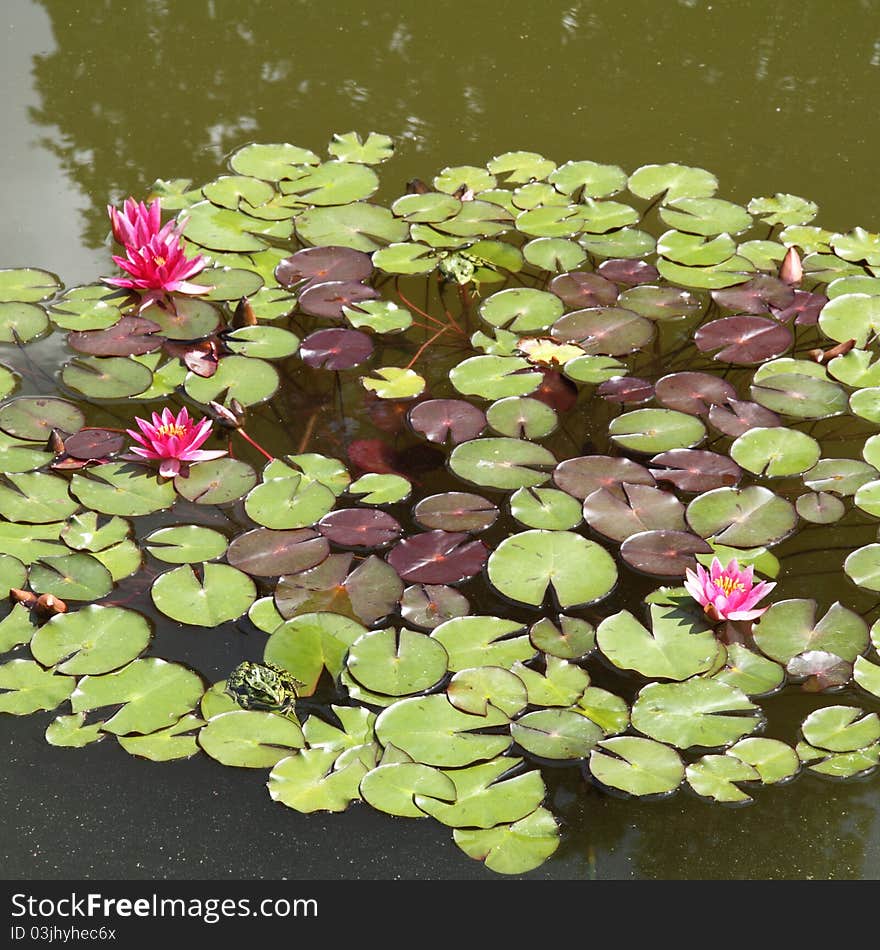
(473, 689)
(185, 544)
(512, 848)
(429, 605)
(775, 452)
(375, 489)
(164, 745)
(656, 430)
(222, 593)
(438, 557)
(71, 577)
(546, 508)
(27, 688)
(695, 470)
(636, 766)
(397, 662)
(70, 733)
(841, 728)
(526, 565)
(556, 734)
(94, 639)
(582, 476)
(250, 739)
(216, 482)
(744, 340)
(644, 508)
(392, 382)
(672, 181)
(152, 693)
(742, 517)
(473, 642)
(502, 463)
(696, 712)
(715, 777)
(361, 226)
(750, 672)
(121, 489)
(456, 511)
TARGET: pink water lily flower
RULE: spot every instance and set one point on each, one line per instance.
(727, 593)
(173, 441)
(154, 256)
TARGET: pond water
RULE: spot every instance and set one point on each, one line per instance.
(104, 99)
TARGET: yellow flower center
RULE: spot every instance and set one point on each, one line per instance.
(171, 428)
(728, 584)
(159, 261)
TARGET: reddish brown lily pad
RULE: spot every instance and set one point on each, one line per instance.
(663, 553)
(579, 289)
(130, 336)
(360, 527)
(696, 470)
(328, 299)
(438, 557)
(693, 393)
(264, 552)
(609, 331)
(584, 475)
(322, 264)
(447, 420)
(456, 511)
(628, 271)
(628, 390)
(744, 340)
(336, 349)
(739, 416)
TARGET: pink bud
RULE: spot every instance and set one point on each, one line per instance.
(791, 271)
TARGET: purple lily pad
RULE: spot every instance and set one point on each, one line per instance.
(643, 509)
(328, 299)
(456, 511)
(696, 470)
(447, 420)
(739, 416)
(580, 289)
(609, 331)
(368, 593)
(91, 444)
(693, 393)
(820, 669)
(360, 527)
(130, 336)
(744, 340)
(438, 557)
(320, 264)
(582, 476)
(628, 271)
(759, 295)
(805, 309)
(629, 390)
(663, 553)
(429, 605)
(336, 349)
(264, 552)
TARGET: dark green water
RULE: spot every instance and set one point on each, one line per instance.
(103, 97)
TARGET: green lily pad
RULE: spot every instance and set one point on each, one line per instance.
(774, 761)
(789, 628)
(333, 183)
(13, 574)
(396, 788)
(842, 764)
(502, 463)
(35, 497)
(375, 489)
(92, 307)
(307, 643)
(110, 377)
(117, 488)
(392, 382)
(775, 452)
(522, 309)
(230, 283)
(27, 687)
(851, 317)
(627, 242)
(486, 795)
(556, 734)
(593, 369)
(867, 675)
(858, 245)
(784, 209)
(554, 254)
(83, 533)
(71, 577)
(526, 565)
(862, 566)
(69, 732)
(695, 250)
(545, 508)
(512, 848)
(742, 517)
(799, 395)
(705, 216)
(165, 745)
(21, 322)
(841, 476)
(696, 712)
(406, 257)
(750, 672)
(397, 662)
(520, 417)
(216, 482)
(362, 226)
(27, 284)
(270, 343)
(94, 639)
(495, 377)
(841, 728)
(380, 316)
(432, 731)
(472, 690)
(820, 508)
(715, 777)
(250, 381)
(473, 642)
(656, 430)
(292, 502)
(271, 162)
(589, 179)
(569, 638)
(185, 544)
(672, 181)
(250, 739)
(152, 693)
(636, 766)
(317, 780)
(20, 456)
(16, 628)
(222, 593)
(678, 646)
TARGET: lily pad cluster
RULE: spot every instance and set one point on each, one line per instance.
(500, 414)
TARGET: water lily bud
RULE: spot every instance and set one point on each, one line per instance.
(56, 442)
(791, 270)
(50, 605)
(225, 416)
(244, 313)
(22, 597)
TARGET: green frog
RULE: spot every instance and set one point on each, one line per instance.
(263, 686)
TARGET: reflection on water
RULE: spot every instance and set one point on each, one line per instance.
(126, 92)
